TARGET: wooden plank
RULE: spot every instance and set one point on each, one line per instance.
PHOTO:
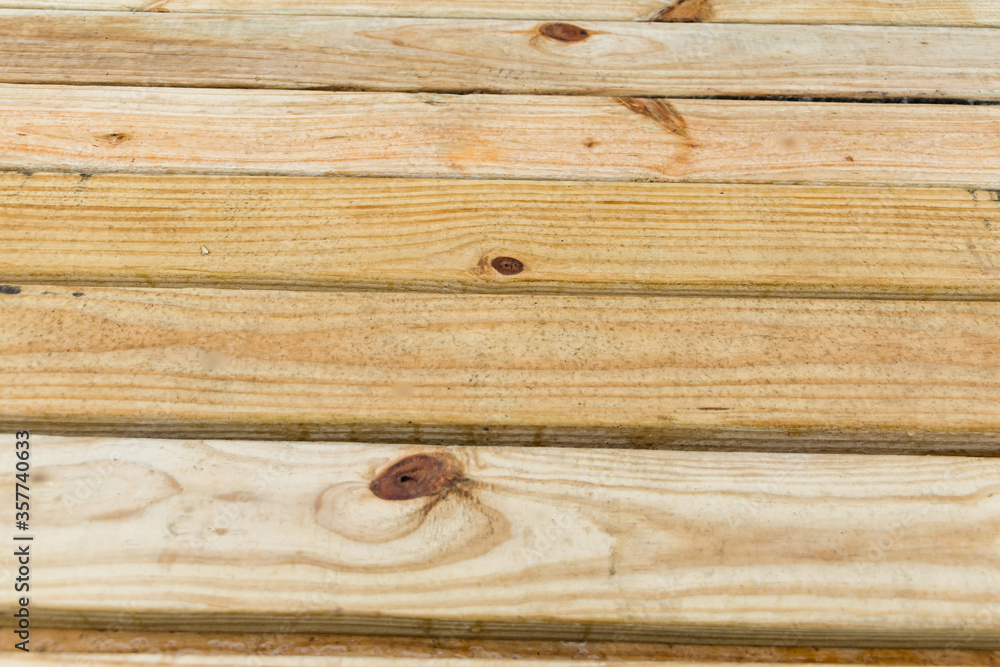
(517, 542)
(465, 369)
(449, 236)
(967, 13)
(91, 129)
(123, 638)
(447, 55)
(122, 660)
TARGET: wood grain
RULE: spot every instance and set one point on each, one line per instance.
(528, 543)
(466, 369)
(969, 13)
(119, 660)
(458, 56)
(444, 235)
(93, 129)
(130, 640)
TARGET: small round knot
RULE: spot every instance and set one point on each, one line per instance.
(415, 477)
(564, 32)
(507, 266)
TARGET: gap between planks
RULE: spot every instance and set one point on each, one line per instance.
(968, 13)
(452, 235)
(517, 542)
(772, 374)
(166, 130)
(456, 56)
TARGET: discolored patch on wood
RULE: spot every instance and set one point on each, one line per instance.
(103, 490)
(112, 139)
(684, 11)
(416, 476)
(10, 289)
(238, 497)
(564, 32)
(661, 112)
(507, 266)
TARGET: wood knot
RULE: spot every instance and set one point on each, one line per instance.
(113, 139)
(415, 477)
(564, 32)
(684, 11)
(661, 112)
(507, 266)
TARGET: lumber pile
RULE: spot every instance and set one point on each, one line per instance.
(369, 332)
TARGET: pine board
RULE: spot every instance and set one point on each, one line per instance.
(94, 129)
(124, 638)
(446, 235)
(465, 369)
(118, 660)
(967, 13)
(529, 543)
(460, 56)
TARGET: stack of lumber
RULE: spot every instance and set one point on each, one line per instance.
(370, 332)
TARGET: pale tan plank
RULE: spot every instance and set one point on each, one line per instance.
(969, 13)
(126, 638)
(447, 235)
(90, 129)
(517, 542)
(732, 373)
(442, 55)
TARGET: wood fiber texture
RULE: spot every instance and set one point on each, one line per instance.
(95, 129)
(461, 56)
(574, 544)
(128, 639)
(966, 13)
(825, 374)
(446, 236)
(527, 329)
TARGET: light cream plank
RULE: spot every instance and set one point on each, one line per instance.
(521, 542)
(442, 55)
(91, 129)
(466, 369)
(451, 235)
(969, 13)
